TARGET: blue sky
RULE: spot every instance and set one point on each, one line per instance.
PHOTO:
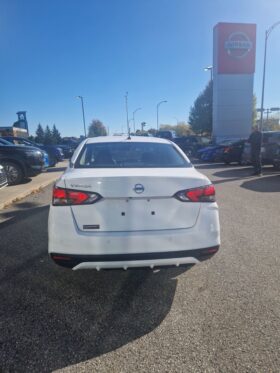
(51, 51)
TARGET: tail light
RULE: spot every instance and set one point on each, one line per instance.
(227, 149)
(201, 194)
(68, 197)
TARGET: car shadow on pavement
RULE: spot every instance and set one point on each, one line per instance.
(243, 172)
(266, 184)
(53, 317)
(202, 166)
(236, 173)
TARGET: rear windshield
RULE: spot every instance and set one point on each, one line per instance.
(130, 155)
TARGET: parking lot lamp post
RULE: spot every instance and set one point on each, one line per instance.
(83, 110)
(126, 109)
(158, 105)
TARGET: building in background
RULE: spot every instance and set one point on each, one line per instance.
(19, 128)
(234, 53)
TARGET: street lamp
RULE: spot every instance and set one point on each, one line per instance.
(267, 33)
(158, 105)
(130, 120)
(209, 68)
(83, 110)
(126, 108)
(134, 117)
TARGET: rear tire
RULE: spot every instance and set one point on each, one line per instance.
(14, 172)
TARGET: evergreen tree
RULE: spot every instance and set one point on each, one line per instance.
(48, 136)
(56, 135)
(40, 134)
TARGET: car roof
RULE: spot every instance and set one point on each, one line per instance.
(103, 139)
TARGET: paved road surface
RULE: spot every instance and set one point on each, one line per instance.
(220, 316)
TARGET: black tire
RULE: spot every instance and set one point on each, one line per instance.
(14, 172)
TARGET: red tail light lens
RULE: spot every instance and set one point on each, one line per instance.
(201, 194)
(68, 197)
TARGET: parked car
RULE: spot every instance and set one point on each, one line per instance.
(210, 153)
(270, 146)
(192, 144)
(3, 177)
(233, 152)
(132, 202)
(67, 150)
(276, 160)
(213, 153)
(166, 134)
(20, 162)
(23, 141)
(73, 144)
(55, 151)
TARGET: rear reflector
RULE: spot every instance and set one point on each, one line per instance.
(201, 194)
(212, 250)
(55, 257)
(68, 197)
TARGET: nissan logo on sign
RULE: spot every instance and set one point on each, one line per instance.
(238, 45)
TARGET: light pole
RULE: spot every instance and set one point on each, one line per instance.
(134, 117)
(158, 105)
(83, 110)
(209, 68)
(267, 33)
(126, 108)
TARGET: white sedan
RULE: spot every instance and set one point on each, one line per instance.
(132, 202)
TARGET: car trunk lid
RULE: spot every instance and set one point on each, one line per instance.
(135, 199)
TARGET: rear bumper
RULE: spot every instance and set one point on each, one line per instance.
(76, 249)
(136, 260)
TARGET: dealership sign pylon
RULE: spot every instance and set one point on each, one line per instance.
(234, 54)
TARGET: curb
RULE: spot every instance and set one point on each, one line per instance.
(26, 193)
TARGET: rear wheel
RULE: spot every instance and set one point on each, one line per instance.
(14, 172)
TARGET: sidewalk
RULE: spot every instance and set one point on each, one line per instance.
(14, 193)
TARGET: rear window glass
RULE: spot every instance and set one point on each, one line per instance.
(130, 155)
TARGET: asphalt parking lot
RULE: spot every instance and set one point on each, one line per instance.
(220, 316)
